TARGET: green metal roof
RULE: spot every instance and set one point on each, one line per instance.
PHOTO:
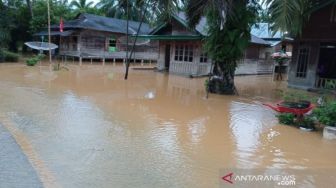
(171, 37)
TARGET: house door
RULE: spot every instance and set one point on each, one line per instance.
(167, 57)
(327, 61)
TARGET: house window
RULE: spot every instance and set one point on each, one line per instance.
(302, 65)
(204, 57)
(184, 53)
(112, 44)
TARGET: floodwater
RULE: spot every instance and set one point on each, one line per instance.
(88, 127)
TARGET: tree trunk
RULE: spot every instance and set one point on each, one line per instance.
(29, 5)
(222, 80)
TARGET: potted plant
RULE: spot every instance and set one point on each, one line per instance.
(280, 58)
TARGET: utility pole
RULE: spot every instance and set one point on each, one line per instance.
(127, 39)
(49, 38)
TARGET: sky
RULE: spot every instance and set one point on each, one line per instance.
(95, 1)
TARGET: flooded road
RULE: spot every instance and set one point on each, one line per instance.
(90, 128)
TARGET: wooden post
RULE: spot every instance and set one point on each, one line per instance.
(91, 61)
(114, 62)
(142, 62)
(80, 61)
(103, 61)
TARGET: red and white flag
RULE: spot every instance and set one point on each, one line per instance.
(61, 26)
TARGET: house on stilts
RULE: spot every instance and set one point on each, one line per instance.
(96, 37)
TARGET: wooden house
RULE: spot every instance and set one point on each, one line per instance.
(278, 40)
(181, 49)
(314, 53)
(96, 37)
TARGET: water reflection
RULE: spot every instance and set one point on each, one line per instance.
(93, 129)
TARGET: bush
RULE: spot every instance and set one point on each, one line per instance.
(306, 122)
(286, 118)
(296, 96)
(2, 57)
(326, 114)
(31, 61)
(8, 56)
(34, 60)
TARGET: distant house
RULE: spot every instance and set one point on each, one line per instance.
(277, 41)
(181, 49)
(314, 53)
(96, 37)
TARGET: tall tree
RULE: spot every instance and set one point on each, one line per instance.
(156, 10)
(166, 8)
(30, 7)
(81, 5)
(291, 15)
(6, 25)
(229, 24)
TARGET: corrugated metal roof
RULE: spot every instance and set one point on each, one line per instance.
(201, 28)
(101, 23)
(257, 40)
(262, 30)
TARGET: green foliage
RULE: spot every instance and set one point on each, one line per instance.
(34, 60)
(291, 15)
(296, 96)
(6, 25)
(306, 122)
(330, 84)
(10, 56)
(228, 35)
(326, 114)
(40, 19)
(206, 85)
(286, 118)
(227, 43)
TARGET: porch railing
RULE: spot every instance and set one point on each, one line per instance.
(326, 83)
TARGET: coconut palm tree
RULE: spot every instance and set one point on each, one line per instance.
(156, 10)
(81, 5)
(165, 8)
(229, 23)
(118, 9)
(291, 15)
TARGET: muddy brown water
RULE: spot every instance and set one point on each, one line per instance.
(90, 128)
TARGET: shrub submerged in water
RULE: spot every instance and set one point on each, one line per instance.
(34, 60)
(326, 114)
(286, 118)
(8, 56)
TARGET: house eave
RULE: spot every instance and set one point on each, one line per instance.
(171, 37)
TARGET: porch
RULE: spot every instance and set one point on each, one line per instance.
(189, 68)
(325, 83)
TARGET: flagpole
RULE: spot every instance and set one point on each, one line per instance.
(49, 38)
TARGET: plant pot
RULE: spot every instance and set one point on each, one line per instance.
(308, 129)
(329, 133)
